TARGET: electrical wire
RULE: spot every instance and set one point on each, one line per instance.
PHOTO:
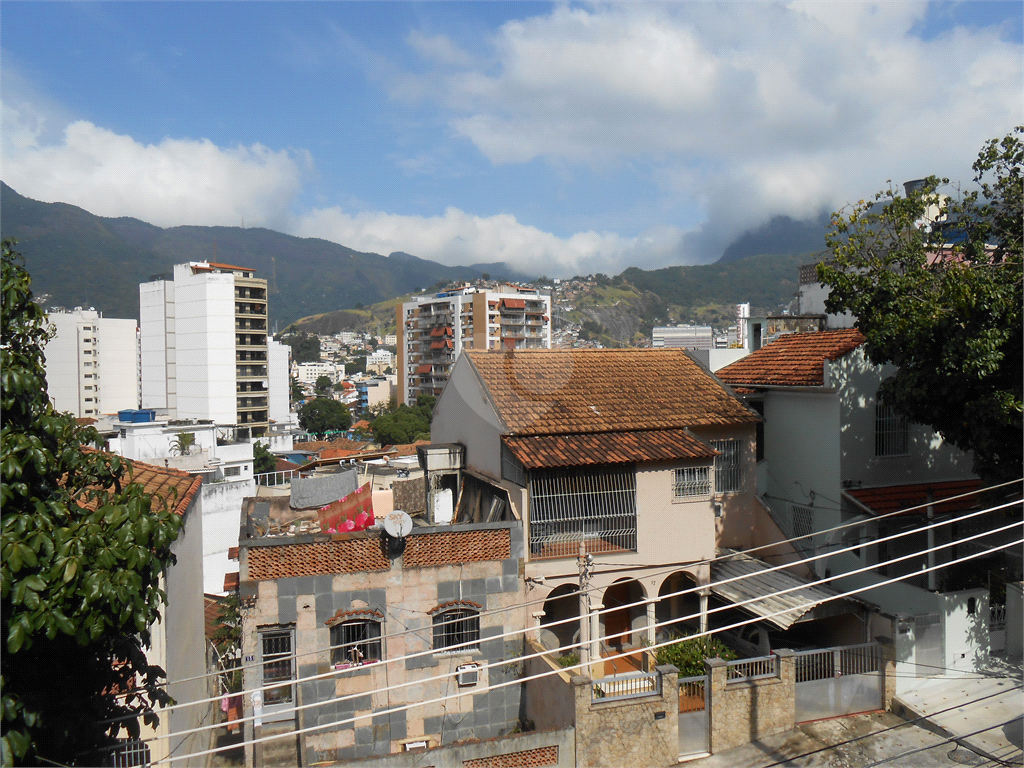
(670, 567)
(513, 633)
(578, 666)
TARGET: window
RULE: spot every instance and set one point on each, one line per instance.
(454, 627)
(277, 666)
(758, 405)
(87, 365)
(88, 389)
(88, 375)
(727, 465)
(87, 351)
(356, 641)
(692, 483)
(232, 471)
(892, 432)
(803, 521)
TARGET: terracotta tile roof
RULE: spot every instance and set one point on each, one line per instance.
(408, 449)
(513, 303)
(611, 390)
(456, 547)
(231, 581)
(316, 559)
(168, 486)
(85, 421)
(220, 265)
(537, 451)
(341, 615)
(794, 359)
(232, 553)
(454, 604)
(211, 614)
(337, 453)
(896, 497)
(283, 465)
(338, 442)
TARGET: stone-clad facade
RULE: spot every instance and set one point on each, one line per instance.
(466, 567)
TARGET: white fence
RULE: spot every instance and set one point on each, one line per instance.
(756, 668)
(625, 686)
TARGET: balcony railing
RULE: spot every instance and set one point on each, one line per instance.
(758, 668)
(629, 685)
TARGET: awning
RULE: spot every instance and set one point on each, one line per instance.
(549, 451)
(441, 344)
(423, 369)
(762, 587)
(513, 303)
(892, 498)
(441, 331)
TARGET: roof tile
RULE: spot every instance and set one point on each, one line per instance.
(794, 359)
(537, 451)
(537, 392)
(892, 498)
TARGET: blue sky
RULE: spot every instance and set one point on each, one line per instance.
(562, 138)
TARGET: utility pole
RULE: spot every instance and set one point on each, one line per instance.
(585, 566)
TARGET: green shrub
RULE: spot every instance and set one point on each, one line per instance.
(569, 659)
(689, 654)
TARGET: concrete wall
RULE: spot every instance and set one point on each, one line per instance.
(929, 458)
(118, 352)
(523, 750)
(628, 731)
(744, 712)
(222, 504)
(463, 415)
(156, 324)
(966, 633)
(1014, 619)
(278, 356)
(548, 702)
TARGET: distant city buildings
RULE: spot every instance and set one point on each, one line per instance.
(433, 331)
(204, 345)
(683, 337)
(92, 364)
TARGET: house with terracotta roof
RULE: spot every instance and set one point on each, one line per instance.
(362, 612)
(830, 451)
(639, 458)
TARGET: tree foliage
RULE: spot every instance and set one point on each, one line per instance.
(323, 383)
(305, 347)
(262, 459)
(405, 425)
(935, 283)
(688, 655)
(323, 415)
(82, 550)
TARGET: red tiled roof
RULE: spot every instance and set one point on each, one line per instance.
(537, 451)
(514, 303)
(211, 614)
(611, 390)
(173, 486)
(85, 421)
(794, 359)
(896, 497)
(232, 553)
(316, 559)
(409, 449)
(454, 604)
(341, 615)
(231, 581)
(337, 453)
(220, 265)
(283, 465)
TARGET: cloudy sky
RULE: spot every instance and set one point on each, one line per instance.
(562, 138)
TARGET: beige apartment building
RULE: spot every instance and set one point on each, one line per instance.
(433, 331)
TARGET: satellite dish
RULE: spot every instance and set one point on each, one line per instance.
(398, 524)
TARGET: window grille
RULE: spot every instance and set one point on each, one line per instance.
(892, 432)
(693, 483)
(803, 521)
(596, 507)
(727, 465)
(453, 628)
(511, 467)
(356, 641)
(132, 754)
(277, 666)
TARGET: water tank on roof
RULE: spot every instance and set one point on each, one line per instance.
(137, 416)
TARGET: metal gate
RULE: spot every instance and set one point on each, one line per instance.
(839, 681)
(694, 736)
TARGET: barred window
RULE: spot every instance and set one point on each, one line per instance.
(892, 432)
(455, 627)
(693, 483)
(356, 641)
(727, 465)
(803, 521)
(277, 666)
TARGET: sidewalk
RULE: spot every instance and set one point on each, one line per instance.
(791, 748)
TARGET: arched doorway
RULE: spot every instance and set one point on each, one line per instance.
(560, 625)
(625, 624)
(677, 614)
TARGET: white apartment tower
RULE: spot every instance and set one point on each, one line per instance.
(204, 345)
(92, 364)
(433, 331)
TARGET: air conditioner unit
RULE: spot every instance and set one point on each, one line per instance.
(467, 674)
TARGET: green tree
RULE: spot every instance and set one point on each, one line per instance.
(296, 392)
(324, 415)
(262, 459)
(305, 347)
(936, 285)
(405, 425)
(81, 553)
(323, 383)
(182, 443)
(688, 655)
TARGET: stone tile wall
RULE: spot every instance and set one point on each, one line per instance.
(744, 712)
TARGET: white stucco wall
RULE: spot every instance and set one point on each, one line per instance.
(222, 505)
(205, 339)
(278, 359)
(462, 415)
(63, 370)
(929, 457)
(156, 324)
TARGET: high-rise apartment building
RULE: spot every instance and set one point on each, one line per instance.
(204, 345)
(92, 364)
(683, 337)
(433, 331)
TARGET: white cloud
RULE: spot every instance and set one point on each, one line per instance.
(174, 182)
(461, 238)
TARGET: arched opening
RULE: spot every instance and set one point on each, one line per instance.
(562, 605)
(677, 614)
(624, 625)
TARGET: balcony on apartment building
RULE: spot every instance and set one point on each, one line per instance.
(250, 292)
(250, 308)
(251, 371)
(251, 324)
(258, 340)
(243, 356)
(250, 386)
(250, 403)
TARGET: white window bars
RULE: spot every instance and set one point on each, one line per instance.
(728, 475)
(692, 483)
(454, 628)
(356, 641)
(892, 432)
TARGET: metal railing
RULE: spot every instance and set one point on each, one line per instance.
(278, 478)
(693, 694)
(629, 685)
(996, 617)
(758, 668)
(824, 663)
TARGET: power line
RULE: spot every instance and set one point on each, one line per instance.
(513, 633)
(691, 563)
(555, 671)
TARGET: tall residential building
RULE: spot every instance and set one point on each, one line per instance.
(683, 336)
(204, 345)
(92, 364)
(433, 331)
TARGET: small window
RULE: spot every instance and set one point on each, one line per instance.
(727, 465)
(87, 365)
(86, 328)
(87, 351)
(692, 483)
(88, 389)
(88, 375)
(457, 629)
(232, 471)
(892, 432)
(277, 667)
(356, 641)
(972, 605)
